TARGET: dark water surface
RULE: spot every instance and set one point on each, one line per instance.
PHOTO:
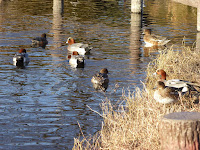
(41, 105)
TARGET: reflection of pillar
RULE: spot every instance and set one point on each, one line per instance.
(58, 6)
(2, 13)
(135, 42)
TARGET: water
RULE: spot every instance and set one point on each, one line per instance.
(41, 106)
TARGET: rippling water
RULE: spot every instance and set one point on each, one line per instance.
(41, 105)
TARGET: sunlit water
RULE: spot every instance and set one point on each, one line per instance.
(41, 106)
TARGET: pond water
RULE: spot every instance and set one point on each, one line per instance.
(41, 105)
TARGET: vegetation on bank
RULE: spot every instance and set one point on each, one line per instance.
(135, 126)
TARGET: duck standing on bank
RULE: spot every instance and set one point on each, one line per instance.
(76, 60)
(40, 41)
(100, 80)
(154, 40)
(82, 49)
(21, 59)
(165, 95)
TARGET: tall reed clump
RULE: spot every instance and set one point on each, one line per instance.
(135, 124)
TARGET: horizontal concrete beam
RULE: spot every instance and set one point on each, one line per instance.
(193, 3)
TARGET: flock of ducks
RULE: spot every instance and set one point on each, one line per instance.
(167, 91)
(76, 59)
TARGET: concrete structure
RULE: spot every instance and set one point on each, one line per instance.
(136, 6)
(180, 131)
(193, 3)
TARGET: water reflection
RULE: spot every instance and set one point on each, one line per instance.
(40, 105)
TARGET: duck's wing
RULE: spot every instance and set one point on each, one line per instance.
(100, 78)
(171, 92)
(77, 47)
(160, 39)
(100, 81)
(176, 83)
(26, 59)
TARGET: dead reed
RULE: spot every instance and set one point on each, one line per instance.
(135, 125)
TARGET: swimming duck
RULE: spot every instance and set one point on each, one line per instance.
(81, 48)
(21, 59)
(151, 39)
(165, 95)
(76, 60)
(40, 41)
(100, 80)
(176, 83)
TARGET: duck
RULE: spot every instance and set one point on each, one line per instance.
(82, 49)
(76, 60)
(152, 40)
(164, 94)
(40, 41)
(176, 83)
(21, 58)
(100, 80)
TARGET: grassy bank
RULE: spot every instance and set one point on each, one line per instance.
(136, 125)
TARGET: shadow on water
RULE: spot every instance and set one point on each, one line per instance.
(41, 104)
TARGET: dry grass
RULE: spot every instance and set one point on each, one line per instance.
(182, 64)
(135, 126)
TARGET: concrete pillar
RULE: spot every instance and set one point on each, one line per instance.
(180, 131)
(198, 28)
(58, 6)
(136, 6)
(198, 18)
(57, 27)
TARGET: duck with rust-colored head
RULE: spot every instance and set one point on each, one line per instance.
(176, 83)
(21, 58)
(100, 80)
(152, 40)
(81, 48)
(40, 41)
(76, 60)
